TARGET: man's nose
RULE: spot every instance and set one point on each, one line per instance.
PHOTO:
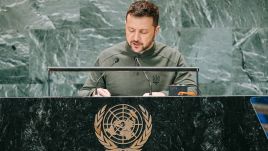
(136, 36)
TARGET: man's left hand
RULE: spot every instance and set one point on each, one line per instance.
(155, 94)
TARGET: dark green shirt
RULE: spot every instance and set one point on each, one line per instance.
(134, 83)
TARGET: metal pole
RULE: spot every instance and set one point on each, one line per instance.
(197, 83)
(48, 83)
(162, 69)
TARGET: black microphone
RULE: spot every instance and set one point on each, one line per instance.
(146, 76)
(116, 60)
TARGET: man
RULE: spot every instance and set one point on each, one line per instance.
(140, 49)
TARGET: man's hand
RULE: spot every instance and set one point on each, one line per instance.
(187, 93)
(101, 92)
(155, 94)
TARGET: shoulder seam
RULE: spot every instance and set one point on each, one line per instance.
(104, 59)
(163, 56)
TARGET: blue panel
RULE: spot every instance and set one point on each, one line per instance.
(263, 118)
(259, 100)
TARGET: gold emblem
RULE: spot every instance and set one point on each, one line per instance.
(122, 127)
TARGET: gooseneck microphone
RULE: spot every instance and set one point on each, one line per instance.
(146, 76)
(116, 60)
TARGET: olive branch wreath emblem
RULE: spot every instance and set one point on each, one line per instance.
(111, 146)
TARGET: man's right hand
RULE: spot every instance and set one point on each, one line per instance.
(101, 92)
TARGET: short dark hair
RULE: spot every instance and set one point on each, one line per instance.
(144, 8)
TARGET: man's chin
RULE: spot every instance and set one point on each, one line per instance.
(137, 50)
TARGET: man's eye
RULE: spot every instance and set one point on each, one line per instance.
(144, 32)
(131, 30)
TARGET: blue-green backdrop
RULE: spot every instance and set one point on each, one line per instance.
(226, 39)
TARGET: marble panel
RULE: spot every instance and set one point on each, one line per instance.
(250, 63)
(228, 13)
(211, 51)
(14, 90)
(14, 58)
(19, 15)
(52, 48)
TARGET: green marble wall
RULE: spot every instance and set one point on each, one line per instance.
(227, 39)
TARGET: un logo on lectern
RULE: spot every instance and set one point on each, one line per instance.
(123, 127)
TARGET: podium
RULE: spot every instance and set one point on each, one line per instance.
(177, 123)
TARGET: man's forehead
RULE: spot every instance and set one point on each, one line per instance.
(139, 22)
(140, 27)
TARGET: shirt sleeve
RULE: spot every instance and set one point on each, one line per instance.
(91, 82)
(185, 77)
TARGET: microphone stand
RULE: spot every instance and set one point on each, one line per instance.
(146, 76)
(96, 87)
(101, 76)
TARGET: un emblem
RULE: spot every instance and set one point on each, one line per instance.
(123, 127)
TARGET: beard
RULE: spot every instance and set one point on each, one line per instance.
(144, 47)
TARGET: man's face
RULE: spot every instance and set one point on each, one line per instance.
(140, 32)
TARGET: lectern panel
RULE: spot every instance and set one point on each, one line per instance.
(130, 123)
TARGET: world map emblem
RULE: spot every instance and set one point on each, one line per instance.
(123, 127)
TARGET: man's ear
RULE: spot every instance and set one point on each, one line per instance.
(157, 29)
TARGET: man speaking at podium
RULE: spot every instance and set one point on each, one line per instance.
(139, 49)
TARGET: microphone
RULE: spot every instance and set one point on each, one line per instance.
(146, 76)
(116, 60)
